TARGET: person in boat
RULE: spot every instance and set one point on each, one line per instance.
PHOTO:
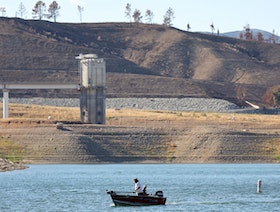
(138, 189)
(137, 186)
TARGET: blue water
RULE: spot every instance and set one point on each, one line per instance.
(215, 187)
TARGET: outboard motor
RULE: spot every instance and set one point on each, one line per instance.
(111, 192)
(144, 189)
(159, 194)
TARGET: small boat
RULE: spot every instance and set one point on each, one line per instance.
(133, 199)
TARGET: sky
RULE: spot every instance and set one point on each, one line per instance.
(225, 15)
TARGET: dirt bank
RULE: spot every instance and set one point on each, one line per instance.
(152, 137)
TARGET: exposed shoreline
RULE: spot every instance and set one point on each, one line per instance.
(163, 137)
(6, 165)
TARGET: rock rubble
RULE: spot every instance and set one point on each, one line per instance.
(172, 104)
(6, 165)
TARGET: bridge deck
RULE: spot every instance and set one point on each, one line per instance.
(38, 86)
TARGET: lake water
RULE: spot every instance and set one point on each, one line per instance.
(214, 187)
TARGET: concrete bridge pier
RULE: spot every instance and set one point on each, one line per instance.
(92, 105)
(5, 103)
(93, 85)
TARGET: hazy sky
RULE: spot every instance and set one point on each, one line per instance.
(226, 15)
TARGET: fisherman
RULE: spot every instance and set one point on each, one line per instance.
(137, 187)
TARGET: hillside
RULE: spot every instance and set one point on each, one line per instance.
(142, 60)
(137, 136)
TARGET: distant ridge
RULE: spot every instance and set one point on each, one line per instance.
(266, 35)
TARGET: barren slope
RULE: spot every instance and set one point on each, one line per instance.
(140, 57)
(150, 137)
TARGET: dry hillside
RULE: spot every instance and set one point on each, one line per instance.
(142, 60)
(135, 136)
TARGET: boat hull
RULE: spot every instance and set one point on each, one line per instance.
(135, 200)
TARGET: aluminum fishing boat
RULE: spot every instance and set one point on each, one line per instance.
(133, 199)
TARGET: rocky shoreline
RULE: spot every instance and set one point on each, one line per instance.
(6, 165)
(172, 104)
(167, 104)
